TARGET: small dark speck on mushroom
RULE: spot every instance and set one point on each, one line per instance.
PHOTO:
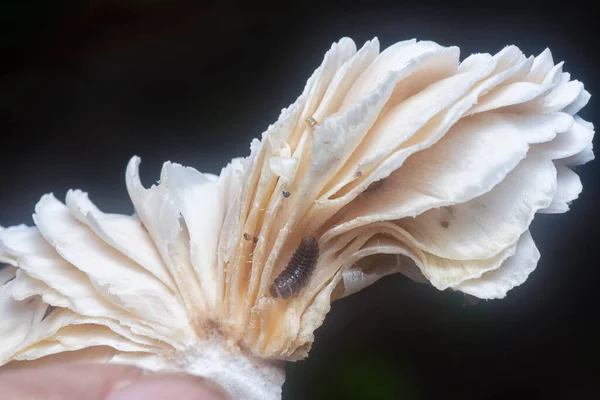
(49, 311)
(374, 186)
(310, 121)
(286, 193)
(358, 174)
(255, 239)
(246, 236)
(445, 224)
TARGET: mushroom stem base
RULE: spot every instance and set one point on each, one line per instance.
(242, 375)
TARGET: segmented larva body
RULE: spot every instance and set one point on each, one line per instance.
(298, 271)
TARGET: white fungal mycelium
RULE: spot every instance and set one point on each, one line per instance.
(406, 160)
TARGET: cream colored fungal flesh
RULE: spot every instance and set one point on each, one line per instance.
(406, 160)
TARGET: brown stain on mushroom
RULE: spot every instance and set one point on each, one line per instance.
(445, 224)
(213, 327)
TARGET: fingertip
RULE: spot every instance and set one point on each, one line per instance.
(165, 387)
(66, 381)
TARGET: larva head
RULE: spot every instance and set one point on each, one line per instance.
(281, 288)
(309, 242)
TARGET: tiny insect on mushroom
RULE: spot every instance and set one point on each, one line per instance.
(298, 271)
(311, 122)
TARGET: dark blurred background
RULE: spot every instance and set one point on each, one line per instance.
(85, 85)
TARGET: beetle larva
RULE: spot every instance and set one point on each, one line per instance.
(298, 271)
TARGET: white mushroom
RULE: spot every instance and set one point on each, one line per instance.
(401, 161)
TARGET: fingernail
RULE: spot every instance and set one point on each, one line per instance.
(172, 386)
